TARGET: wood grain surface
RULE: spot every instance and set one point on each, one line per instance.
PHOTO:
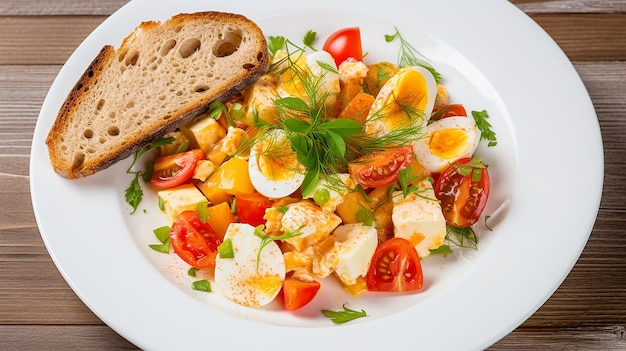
(38, 310)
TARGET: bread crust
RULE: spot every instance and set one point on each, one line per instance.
(131, 96)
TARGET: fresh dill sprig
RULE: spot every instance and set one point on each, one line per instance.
(409, 56)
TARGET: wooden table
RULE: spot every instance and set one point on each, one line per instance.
(38, 310)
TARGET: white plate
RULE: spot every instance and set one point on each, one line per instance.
(492, 57)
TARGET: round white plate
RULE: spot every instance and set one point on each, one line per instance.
(491, 56)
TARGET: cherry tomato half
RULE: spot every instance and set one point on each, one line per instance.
(395, 266)
(463, 197)
(450, 110)
(343, 44)
(380, 168)
(297, 293)
(251, 208)
(173, 170)
(194, 241)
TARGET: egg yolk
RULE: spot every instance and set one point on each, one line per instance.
(291, 79)
(277, 162)
(448, 144)
(409, 95)
(268, 284)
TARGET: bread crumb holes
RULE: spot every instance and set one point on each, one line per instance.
(113, 131)
(228, 45)
(189, 47)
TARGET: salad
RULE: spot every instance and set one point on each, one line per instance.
(327, 167)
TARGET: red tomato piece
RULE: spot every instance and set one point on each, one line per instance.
(173, 170)
(380, 168)
(194, 241)
(343, 44)
(251, 208)
(395, 266)
(297, 293)
(450, 110)
(463, 197)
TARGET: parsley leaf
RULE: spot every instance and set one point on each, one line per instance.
(309, 39)
(275, 43)
(133, 194)
(347, 315)
(485, 127)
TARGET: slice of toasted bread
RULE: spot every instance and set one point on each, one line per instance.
(161, 76)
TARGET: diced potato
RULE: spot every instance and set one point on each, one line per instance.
(358, 108)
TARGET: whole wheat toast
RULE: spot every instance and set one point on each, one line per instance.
(162, 76)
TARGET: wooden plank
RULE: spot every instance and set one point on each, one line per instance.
(59, 7)
(107, 7)
(583, 37)
(57, 36)
(587, 37)
(570, 6)
(68, 338)
(604, 338)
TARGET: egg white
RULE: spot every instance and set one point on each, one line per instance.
(272, 188)
(322, 67)
(435, 164)
(378, 125)
(239, 279)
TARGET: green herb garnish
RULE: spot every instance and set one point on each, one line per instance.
(480, 117)
(218, 109)
(267, 239)
(409, 56)
(347, 315)
(163, 234)
(201, 285)
(133, 194)
(462, 237)
(192, 271)
(274, 44)
(202, 209)
(309, 38)
(468, 168)
(225, 249)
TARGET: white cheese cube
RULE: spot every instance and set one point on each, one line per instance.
(419, 219)
(336, 191)
(179, 199)
(355, 245)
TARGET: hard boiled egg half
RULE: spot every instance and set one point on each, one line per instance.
(316, 70)
(407, 97)
(273, 166)
(249, 278)
(446, 141)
